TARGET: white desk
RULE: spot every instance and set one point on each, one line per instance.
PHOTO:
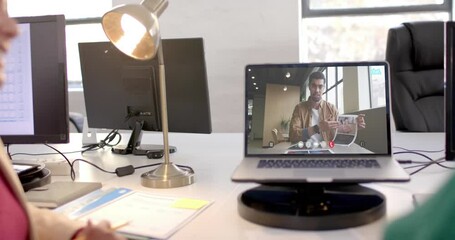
(214, 157)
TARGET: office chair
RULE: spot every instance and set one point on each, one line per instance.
(277, 136)
(415, 52)
(77, 120)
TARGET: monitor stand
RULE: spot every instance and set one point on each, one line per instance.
(134, 144)
(312, 206)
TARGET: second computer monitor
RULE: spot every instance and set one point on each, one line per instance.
(120, 91)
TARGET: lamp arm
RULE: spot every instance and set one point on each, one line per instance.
(163, 101)
(155, 6)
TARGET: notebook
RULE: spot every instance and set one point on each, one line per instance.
(336, 127)
(58, 193)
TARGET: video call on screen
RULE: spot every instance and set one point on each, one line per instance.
(273, 92)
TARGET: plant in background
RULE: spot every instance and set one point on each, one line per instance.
(285, 124)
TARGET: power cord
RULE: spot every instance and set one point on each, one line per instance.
(105, 142)
(422, 165)
(418, 150)
(44, 154)
(125, 170)
(72, 172)
(120, 171)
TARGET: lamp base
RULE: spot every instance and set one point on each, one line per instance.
(167, 175)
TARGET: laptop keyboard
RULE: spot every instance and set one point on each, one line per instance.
(326, 163)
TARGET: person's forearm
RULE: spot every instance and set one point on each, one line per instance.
(44, 220)
(310, 131)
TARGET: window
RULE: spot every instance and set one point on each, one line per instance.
(332, 30)
(370, 87)
(83, 19)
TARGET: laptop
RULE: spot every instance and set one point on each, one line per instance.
(275, 99)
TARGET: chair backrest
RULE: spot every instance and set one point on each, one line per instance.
(77, 119)
(277, 136)
(415, 52)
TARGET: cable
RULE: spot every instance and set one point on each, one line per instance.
(43, 154)
(418, 150)
(89, 163)
(72, 172)
(433, 161)
(120, 171)
(427, 165)
(105, 142)
(125, 170)
(423, 165)
(413, 152)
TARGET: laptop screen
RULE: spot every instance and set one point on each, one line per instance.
(317, 108)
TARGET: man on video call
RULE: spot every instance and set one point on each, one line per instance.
(316, 119)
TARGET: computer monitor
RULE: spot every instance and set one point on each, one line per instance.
(34, 101)
(123, 93)
(449, 90)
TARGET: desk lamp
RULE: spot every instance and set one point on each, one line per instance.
(134, 30)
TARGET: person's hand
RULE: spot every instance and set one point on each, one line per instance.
(328, 125)
(361, 121)
(345, 128)
(102, 230)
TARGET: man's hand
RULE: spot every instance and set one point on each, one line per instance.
(328, 125)
(361, 121)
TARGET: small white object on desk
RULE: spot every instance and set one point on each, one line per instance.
(57, 166)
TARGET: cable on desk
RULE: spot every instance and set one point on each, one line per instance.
(413, 152)
(420, 164)
(105, 142)
(423, 165)
(125, 170)
(432, 161)
(418, 150)
(89, 163)
(120, 171)
(429, 164)
(44, 154)
(72, 172)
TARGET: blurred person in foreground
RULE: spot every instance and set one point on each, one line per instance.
(20, 220)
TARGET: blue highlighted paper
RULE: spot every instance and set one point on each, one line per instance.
(92, 201)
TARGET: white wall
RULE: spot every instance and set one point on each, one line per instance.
(235, 33)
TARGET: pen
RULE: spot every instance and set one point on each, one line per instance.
(119, 225)
(112, 228)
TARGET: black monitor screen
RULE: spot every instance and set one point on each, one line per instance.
(450, 90)
(119, 91)
(34, 101)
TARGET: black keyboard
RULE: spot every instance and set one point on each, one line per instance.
(326, 163)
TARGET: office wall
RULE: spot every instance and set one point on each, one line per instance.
(279, 106)
(236, 33)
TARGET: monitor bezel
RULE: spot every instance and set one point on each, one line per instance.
(62, 134)
(449, 90)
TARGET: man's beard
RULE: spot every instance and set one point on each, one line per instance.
(315, 98)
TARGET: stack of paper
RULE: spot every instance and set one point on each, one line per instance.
(147, 215)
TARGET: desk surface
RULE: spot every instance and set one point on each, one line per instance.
(215, 156)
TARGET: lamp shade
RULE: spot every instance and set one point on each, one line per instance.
(134, 30)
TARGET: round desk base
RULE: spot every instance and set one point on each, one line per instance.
(312, 206)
